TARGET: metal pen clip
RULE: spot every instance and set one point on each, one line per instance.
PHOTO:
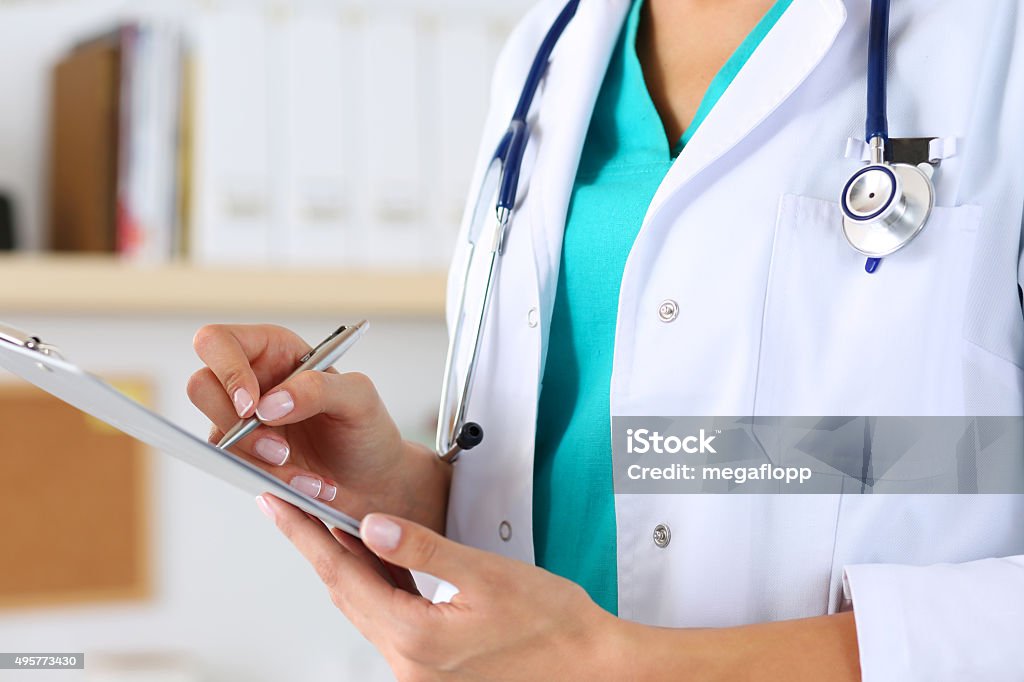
(33, 343)
(320, 345)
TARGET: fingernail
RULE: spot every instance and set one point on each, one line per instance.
(314, 487)
(275, 406)
(242, 400)
(265, 507)
(273, 451)
(380, 532)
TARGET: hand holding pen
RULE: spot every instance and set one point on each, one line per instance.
(317, 360)
(328, 434)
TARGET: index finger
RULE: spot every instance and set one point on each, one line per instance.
(356, 588)
(221, 350)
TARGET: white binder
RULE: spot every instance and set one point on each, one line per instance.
(235, 168)
(319, 163)
(392, 107)
(41, 364)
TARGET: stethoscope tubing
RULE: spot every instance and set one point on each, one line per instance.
(877, 123)
(513, 143)
(508, 155)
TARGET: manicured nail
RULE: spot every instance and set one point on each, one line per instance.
(380, 532)
(273, 451)
(314, 487)
(265, 507)
(242, 401)
(275, 406)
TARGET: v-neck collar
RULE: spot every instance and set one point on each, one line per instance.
(633, 75)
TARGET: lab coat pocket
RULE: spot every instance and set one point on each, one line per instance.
(836, 340)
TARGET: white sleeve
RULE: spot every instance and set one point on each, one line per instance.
(943, 622)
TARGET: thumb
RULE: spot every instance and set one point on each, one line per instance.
(410, 545)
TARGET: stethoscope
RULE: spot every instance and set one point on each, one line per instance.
(500, 183)
(885, 206)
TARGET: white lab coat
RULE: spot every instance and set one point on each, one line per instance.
(778, 317)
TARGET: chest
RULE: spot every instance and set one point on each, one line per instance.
(683, 45)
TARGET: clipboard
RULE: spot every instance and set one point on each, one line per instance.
(41, 364)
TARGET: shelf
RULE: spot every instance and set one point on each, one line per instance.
(47, 284)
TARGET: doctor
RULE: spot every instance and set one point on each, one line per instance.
(676, 249)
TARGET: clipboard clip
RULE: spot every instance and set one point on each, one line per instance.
(33, 343)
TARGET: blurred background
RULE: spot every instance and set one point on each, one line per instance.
(169, 163)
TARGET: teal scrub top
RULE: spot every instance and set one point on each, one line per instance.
(625, 157)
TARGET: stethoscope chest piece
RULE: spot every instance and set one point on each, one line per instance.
(885, 206)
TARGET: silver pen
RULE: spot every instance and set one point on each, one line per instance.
(319, 359)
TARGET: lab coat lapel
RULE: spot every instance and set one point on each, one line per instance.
(563, 114)
(789, 53)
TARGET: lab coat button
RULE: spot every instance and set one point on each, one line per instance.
(531, 317)
(662, 535)
(505, 531)
(668, 310)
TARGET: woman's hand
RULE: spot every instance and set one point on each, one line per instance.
(512, 621)
(327, 434)
(509, 621)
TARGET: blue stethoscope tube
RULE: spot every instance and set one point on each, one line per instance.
(513, 143)
(877, 123)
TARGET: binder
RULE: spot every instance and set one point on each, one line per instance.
(41, 364)
(234, 172)
(395, 234)
(85, 114)
(318, 163)
(465, 56)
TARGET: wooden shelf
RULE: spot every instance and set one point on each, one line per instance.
(48, 284)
